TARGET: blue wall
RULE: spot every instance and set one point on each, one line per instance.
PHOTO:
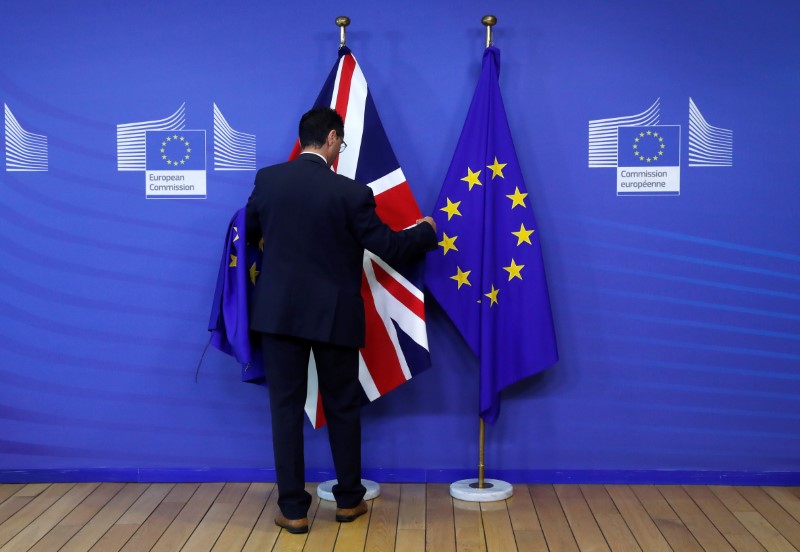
(678, 317)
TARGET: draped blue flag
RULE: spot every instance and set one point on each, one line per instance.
(488, 273)
(229, 326)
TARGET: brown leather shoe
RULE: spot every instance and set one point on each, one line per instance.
(292, 525)
(346, 515)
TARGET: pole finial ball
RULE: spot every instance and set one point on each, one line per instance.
(489, 20)
(342, 21)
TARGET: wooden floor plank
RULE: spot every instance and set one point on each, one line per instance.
(581, 520)
(554, 523)
(468, 523)
(78, 518)
(186, 521)
(497, 526)
(774, 513)
(732, 500)
(9, 489)
(693, 518)
(617, 533)
(93, 531)
(324, 527)
(786, 498)
(21, 498)
(30, 511)
(641, 525)
(151, 529)
(30, 535)
(353, 535)
(244, 518)
(665, 518)
(411, 518)
(124, 527)
(722, 518)
(527, 530)
(440, 532)
(764, 532)
(265, 532)
(383, 519)
(213, 523)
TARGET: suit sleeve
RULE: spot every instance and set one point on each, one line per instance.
(381, 240)
(252, 222)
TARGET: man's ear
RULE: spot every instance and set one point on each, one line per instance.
(331, 137)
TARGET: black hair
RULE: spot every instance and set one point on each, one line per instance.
(317, 123)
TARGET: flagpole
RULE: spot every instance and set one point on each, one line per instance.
(482, 489)
(325, 489)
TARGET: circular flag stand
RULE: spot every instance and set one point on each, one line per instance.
(325, 489)
(492, 490)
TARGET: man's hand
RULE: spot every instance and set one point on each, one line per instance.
(429, 220)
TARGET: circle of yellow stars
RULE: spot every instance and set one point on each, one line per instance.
(523, 235)
(648, 136)
(180, 160)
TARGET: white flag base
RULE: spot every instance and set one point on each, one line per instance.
(493, 490)
(325, 489)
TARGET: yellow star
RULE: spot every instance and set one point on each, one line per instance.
(163, 157)
(233, 261)
(261, 244)
(641, 134)
(514, 270)
(461, 277)
(517, 198)
(175, 137)
(163, 144)
(451, 208)
(492, 295)
(448, 243)
(523, 235)
(472, 178)
(235, 229)
(254, 273)
(497, 168)
(187, 145)
(169, 138)
(649, 132)
(182, 139)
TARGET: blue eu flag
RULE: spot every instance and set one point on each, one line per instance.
(229, 324)
(488, 273)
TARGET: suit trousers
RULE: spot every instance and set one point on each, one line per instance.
(286, 369)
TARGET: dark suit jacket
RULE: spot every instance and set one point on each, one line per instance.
(316, 225)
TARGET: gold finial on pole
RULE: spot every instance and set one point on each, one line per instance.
(490, 21)
(342, 21)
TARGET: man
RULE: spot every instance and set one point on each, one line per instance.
(316, 225)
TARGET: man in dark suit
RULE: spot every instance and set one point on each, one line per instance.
(316, 225)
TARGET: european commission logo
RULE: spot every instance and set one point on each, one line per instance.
(647, 154)
(175, 164)
(649, 160)
(174, 159)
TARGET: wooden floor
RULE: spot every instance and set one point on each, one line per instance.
(106, 517)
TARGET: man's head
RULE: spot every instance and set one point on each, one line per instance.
(322, 131)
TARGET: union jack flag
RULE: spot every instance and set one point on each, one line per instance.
(396, 346)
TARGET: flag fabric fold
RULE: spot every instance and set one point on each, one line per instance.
(396, 346)
(488, 274)
(229, 322)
